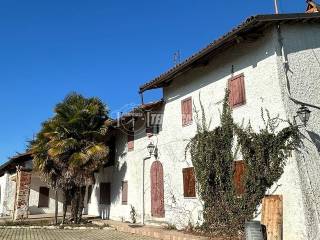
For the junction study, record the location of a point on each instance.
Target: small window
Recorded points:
(43, 197)
(239, 171)
(105, 193)
(131, 141)
(89, 194)
(186, 111)
(154, 129)
(189, 182)
(237, 95)
(124, 193)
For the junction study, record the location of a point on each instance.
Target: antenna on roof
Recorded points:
(176, 58)
(276, 6)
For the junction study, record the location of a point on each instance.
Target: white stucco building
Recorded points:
(277, 58)
(270, 62)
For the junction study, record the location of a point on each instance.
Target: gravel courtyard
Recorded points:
(63, 234)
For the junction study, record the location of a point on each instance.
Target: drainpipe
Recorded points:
(143, 166)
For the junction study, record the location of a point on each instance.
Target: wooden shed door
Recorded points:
(157, 191)
(272, 212)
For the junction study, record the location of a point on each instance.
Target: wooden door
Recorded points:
(272, 212)
(157, 190)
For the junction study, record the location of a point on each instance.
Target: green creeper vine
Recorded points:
(212, 154)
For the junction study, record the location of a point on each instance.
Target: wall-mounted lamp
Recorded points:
(152, 149)
(304, 114)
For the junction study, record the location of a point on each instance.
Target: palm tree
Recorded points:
(71, 146)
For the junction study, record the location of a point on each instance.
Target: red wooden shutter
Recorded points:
(105, 193)
(189, 182)
(186, 111)
(237, 95)
(43, 197)
(239, 171)
(124, 193)
(131, 141)
(183, 110)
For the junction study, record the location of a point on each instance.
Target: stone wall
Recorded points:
(23, 181)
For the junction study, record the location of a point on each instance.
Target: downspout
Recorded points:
(142, 210)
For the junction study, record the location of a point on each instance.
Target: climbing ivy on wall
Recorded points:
(212, 154)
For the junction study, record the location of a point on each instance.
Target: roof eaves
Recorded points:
(14, 159)
(250, 22)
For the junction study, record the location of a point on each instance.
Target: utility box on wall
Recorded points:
(254, 231)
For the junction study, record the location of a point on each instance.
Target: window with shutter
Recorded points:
(237, 95)
(149, 130)
(238, 177)
(89, 194)
(105, 193)
(43, 197)
(189, 182)
(186, 111)
(131, 141)
(153, 129)
(124, 193)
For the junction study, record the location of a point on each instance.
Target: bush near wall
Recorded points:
(213, 154)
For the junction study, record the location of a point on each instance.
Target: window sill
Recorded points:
(238, 105)
(190, 198)
(187, 124)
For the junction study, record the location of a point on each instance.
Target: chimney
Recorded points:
(312, 7)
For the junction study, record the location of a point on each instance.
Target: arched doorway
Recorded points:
(157, 190)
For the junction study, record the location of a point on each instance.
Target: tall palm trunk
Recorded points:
(74, 204)
(81, 203)
(56, 206)
(65, 206)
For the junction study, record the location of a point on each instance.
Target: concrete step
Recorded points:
(157, 223)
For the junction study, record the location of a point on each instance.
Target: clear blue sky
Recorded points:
(103, 48)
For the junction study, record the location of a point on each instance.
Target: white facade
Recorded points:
(262, 65)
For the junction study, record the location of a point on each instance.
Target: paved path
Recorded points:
(64, 234)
